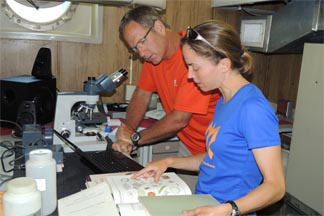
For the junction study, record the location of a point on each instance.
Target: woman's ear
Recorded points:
(225, 64)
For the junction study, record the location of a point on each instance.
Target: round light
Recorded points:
(47, 17)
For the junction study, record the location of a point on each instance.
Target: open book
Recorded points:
(122, 195)
(125, 190)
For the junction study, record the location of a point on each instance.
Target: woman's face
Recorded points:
(204, 72)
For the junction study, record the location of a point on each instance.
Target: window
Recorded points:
(60, 21)
(48, 16)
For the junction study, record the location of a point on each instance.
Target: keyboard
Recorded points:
(109, 161)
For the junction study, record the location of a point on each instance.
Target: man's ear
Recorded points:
(159, 27)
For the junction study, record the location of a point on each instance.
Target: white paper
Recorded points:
(94, 201)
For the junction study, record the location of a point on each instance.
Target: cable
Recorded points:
(11, 122)
(18, 127)
(9, 152)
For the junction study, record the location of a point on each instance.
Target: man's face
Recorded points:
(147, 42)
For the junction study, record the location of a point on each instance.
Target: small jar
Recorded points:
(22, 198)
(41, 166)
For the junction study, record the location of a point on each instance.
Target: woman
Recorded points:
(242, 168)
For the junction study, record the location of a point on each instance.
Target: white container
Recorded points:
(22, 198)
(42, 167)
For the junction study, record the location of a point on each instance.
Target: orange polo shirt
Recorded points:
(170, 80)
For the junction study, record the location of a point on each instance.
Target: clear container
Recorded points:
(41, 166)
(22, 198)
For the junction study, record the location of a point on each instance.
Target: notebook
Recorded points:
(108, 161)
(175, 204)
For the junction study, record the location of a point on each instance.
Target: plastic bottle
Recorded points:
(42, 167)
(22, 198)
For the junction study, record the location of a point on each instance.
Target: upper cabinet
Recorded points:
(221, 3)
(286, 30)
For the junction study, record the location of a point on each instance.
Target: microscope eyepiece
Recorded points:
(116, 76)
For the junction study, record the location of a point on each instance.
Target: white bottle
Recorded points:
(22, 198)
(42, 167)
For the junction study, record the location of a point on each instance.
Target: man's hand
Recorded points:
(124, 133)
(123, 146)
(123, 142)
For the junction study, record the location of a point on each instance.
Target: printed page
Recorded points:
(99, 178)
(127, 190)
(96, 200)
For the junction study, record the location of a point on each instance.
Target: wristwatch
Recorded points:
(235, 210)
(135, 137)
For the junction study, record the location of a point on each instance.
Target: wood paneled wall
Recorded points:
(72, 62)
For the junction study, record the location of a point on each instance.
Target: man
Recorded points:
(188, 110)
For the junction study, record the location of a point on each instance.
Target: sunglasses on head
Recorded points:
(194, 35)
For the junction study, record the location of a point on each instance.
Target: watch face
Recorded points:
(135, 137)
(236, 213)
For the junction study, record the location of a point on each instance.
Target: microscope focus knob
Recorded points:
(65, 133)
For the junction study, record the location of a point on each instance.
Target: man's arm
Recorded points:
(137, 108)
(165, 128)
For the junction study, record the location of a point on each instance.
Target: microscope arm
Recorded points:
(69, 120)
(104, 83)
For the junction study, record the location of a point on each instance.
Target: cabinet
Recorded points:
(305, 166)
(168, 148)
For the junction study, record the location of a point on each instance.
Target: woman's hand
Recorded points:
(154, 169)
(218, 210)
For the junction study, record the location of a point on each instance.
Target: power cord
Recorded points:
(9, 152)
(18, 129)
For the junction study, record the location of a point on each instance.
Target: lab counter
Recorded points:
(71, 180)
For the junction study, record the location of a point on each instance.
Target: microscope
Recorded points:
(77, 117)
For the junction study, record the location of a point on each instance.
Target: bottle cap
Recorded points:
(21, 185)
(40, 154)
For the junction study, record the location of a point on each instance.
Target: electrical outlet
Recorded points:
(129, 90)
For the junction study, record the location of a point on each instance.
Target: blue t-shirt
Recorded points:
(247, 121)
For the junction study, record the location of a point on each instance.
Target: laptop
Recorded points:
(108, 161)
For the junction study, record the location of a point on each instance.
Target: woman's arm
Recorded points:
(273, 186)
(270, 191)
(158, 167)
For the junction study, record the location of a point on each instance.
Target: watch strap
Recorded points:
(235, 210)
